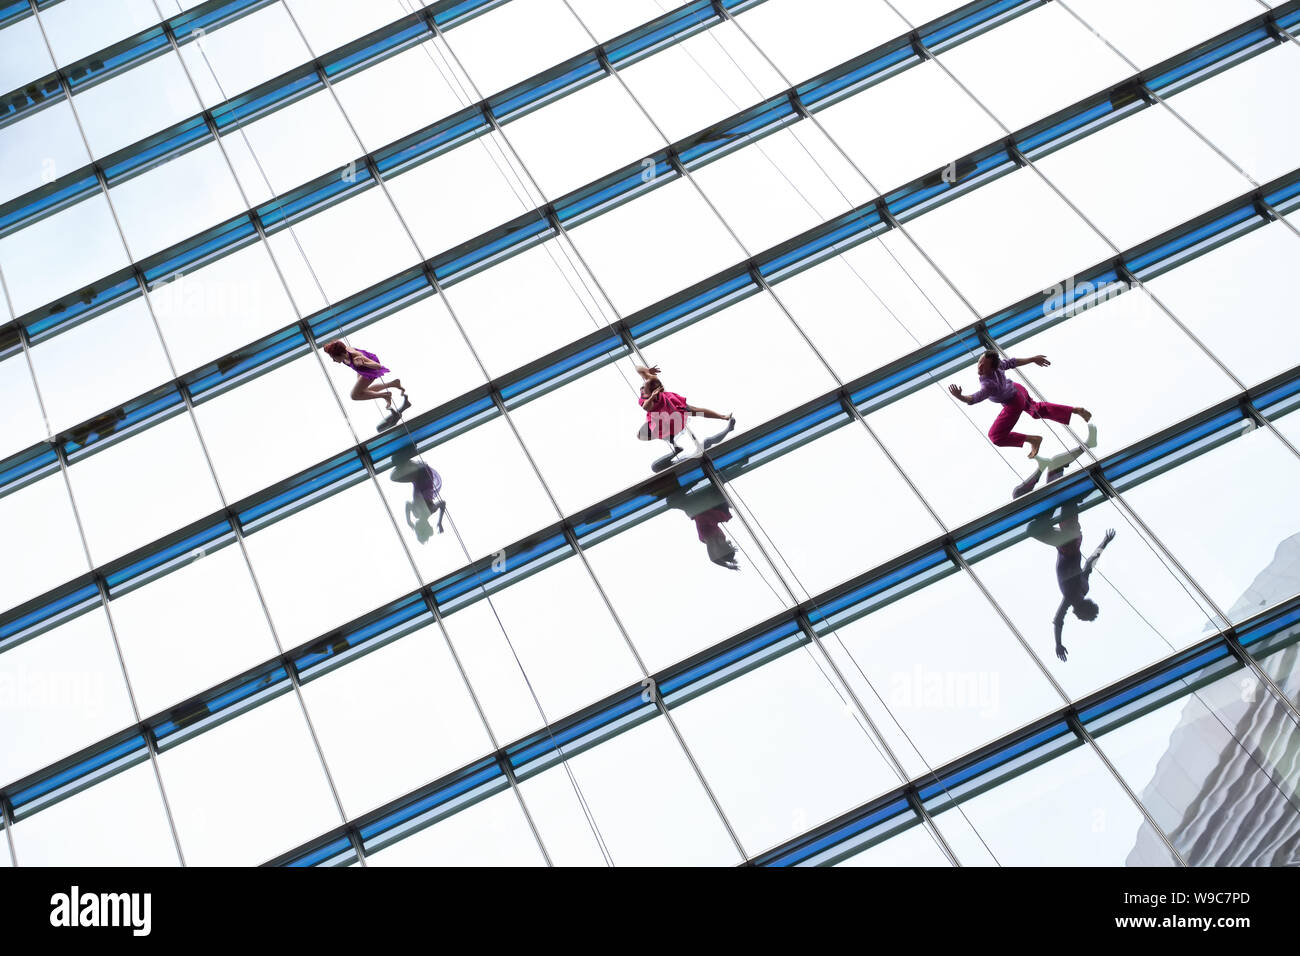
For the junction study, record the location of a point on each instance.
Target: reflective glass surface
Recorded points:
(584, 433)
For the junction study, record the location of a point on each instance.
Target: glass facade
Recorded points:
(253, 619)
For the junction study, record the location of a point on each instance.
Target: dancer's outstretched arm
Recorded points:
(1032, 360)
(1092, 559)
(1058, 624)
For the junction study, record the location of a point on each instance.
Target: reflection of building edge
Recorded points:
(1233, 815)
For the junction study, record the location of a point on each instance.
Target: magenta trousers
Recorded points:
(1001, 433)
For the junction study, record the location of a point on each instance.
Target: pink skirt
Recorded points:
(668, 416)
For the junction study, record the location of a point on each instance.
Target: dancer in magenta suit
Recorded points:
(1014, 399)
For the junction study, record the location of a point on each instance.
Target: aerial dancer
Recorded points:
(1014, 399)
(1072, 574)
(369, 372)
(666, 413)
(425, 492)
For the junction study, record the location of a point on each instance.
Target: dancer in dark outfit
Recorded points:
(1072, 574)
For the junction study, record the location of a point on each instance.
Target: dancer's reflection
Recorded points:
(369, 370)
(1055, 466)
(1072, 573)
(709, 510)
(1014, 399)
(425, 493)
(666, 413)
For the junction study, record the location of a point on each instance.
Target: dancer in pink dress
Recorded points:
(666, 412)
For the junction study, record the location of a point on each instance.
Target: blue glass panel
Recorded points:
(209, 17)
(604, 347)
(832, 238)
(757, 121)
(338, 847)
(257, 357)
(1126, 462)
(483, 572)
(212, 244)
(424, 144)
(398, 618)
(785, 636)
(616, 188)
(132, 747)
(858, 74)
(377, 46)
(717, 295)
(77, 598)
(220, 704)
(995, 760)
(1276, 621)
(170, 143)
(1203, 64)
(862, 594)
(183, 549)
(331, 475)
(372, 304)
(731, 464)
(915, 373)
(970, 20)
(119, 57)
(313, 197)
(36, 94)
(89, 433)
(47, 200)
(517, 100)
(546, 742)
(457, 785)
(521, 233)
(1191, 238)
(661, 32)
(81, 305)
(37, 461)
(805, 849)
(14, 11)
(430, 426)
(264, 99)
(1180, 667)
